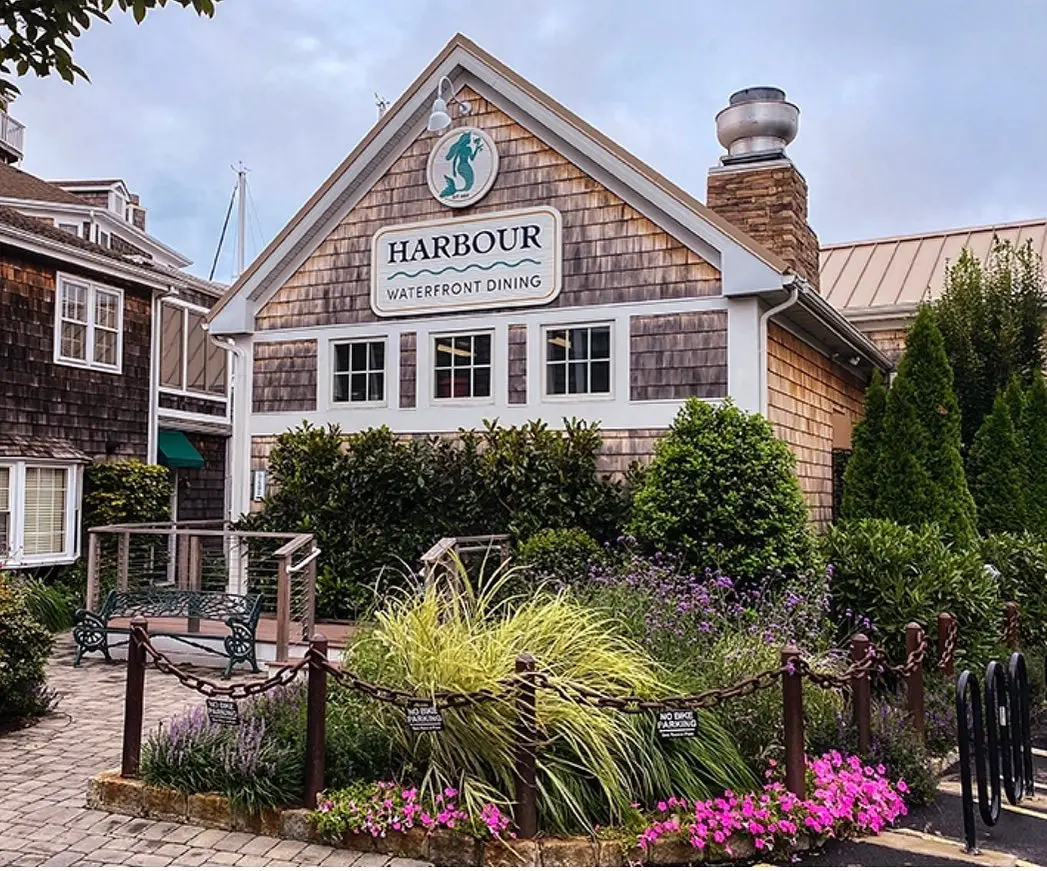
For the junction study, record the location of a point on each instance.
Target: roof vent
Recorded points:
(757, 125)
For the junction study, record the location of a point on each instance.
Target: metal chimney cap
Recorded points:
(757, 125)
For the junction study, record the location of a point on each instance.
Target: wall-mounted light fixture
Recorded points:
(439, 119)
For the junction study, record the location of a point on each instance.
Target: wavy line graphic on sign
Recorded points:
(403, 274)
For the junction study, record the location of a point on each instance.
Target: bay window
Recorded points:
(38, 503)
(88, 324)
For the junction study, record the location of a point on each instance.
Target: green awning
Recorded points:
(177, 452)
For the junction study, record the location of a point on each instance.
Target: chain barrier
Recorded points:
(913, 661)
(390, 695)
(1010, 624)
(856, 670)
(211, 689)
(949, 650)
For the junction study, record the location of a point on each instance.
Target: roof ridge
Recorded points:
(933, 234)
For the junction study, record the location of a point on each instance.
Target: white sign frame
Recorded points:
(550, 269)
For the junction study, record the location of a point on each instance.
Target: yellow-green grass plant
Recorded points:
(593, 763)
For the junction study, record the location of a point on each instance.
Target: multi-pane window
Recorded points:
(89, 323)
(5, 510)
(462, 366)
(578, 360)
(359, 371)
(189, 361)
(44, 519)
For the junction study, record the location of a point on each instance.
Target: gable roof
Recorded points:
(18, 185)
(894, 275)
(466, 63)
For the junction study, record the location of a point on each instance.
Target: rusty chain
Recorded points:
(1011, 624)
(949, 649)
(208, 687)
(390, 695)
(856, 670)
(912, 661)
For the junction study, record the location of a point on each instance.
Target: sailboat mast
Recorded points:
(241, 218)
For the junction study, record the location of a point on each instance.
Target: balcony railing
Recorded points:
(11, 134)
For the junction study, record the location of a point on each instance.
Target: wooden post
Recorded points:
(792, 701)
(283, 610)
(123, 561)
(1011, 624)
(133, 699)
(316, 721)
(914, 683)
(91, 596)
(194, 576)
(526, 749)
(861, 694)
(946, 659)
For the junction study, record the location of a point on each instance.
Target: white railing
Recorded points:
(11, 132)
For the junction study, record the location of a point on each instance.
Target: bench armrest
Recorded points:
(241, 625)
(90, 618)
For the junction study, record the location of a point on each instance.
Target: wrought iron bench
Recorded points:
(240, 613)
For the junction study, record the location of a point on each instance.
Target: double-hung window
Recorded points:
(462, 366)
(358, 373)
(88, 324)
(37, 512)
(578, 361)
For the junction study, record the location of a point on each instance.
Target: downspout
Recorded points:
(792, 282)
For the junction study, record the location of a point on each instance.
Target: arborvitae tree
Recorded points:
(995, 473)
(864, 468)
(1034, 429)
(992, 319)
(923, 477)
(1014, 396)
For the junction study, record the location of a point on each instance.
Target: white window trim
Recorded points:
(544, 360)
(93, 287)
(16, 558)
(432, 336)
(349, 403)
(188, 307)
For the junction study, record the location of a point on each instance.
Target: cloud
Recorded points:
(914, 115)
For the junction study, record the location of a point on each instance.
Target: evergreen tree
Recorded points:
(1014, 396)
(992, 319)
(1034, 429)
(995, 474)
(862, 476)
(923, 476)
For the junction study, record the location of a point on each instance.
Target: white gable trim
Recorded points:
(742, 271)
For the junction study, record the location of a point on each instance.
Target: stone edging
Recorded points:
(110, 792)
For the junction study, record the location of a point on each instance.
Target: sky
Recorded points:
(915, 115)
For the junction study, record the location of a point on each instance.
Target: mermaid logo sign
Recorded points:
(462, 167)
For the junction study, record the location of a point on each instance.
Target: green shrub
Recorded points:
(592, 762)
(1021, 561)
(721, 492)
(375, 500)
(49, 606)
(997, 472)
(558, 557)
(861, 480)
(126, 491)
(893, 574)
(24, 648)
(1034, 427)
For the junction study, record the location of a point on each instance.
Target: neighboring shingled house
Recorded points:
(105, 357)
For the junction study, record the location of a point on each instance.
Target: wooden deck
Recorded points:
(336, 633)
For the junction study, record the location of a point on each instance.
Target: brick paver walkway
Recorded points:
(43, 784)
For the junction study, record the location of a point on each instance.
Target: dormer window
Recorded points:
(118, 204)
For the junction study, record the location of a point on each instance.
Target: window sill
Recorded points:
(92, 367)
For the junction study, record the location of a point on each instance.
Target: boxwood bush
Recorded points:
(893, 574)
(721, 492)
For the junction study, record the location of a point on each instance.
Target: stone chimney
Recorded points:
(756, 186)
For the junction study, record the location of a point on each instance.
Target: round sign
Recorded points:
(462, 167)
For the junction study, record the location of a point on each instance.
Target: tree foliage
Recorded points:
(992, 320)
(38, 36)
(862, 476)
(923, 477)
(1034, 429)
(996, 473)
(721, 492)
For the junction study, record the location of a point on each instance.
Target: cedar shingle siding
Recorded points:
(192, 404)
(679, 355)
(807, 395)
(612, 253)
(284, 376)
(88, 408)
(408, 369)
(517, 364)
(201, 492)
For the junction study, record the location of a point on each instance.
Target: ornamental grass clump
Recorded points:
(592, 762)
